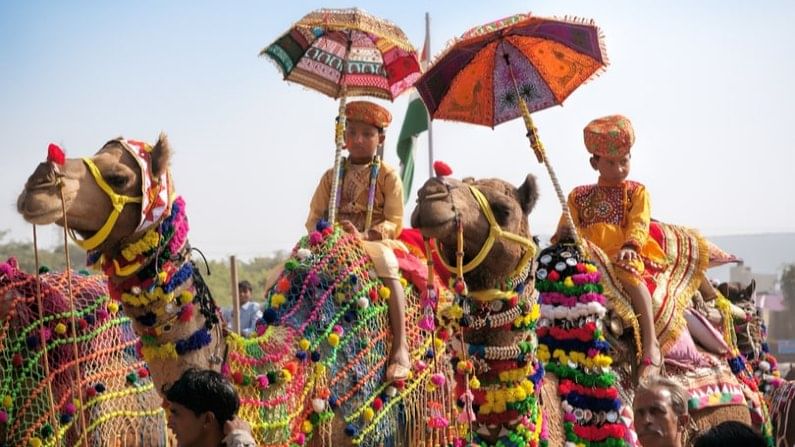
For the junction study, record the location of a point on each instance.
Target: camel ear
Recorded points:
(161, 155)
(528, 193)
(723, 288)
(751, 287)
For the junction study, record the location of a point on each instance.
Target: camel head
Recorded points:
(87, 205)
(444, 201)
(738, 294)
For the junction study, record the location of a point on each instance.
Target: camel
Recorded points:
(444, 204)
(752, 343)
(313, 374)
(121, 405)
(439, 204)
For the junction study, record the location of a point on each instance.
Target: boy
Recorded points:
(364, 134)
(201, 409)
(615, 215)
(249, 313)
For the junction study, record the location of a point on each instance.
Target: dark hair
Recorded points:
(730, 434)
(203, 390)
(244, 285)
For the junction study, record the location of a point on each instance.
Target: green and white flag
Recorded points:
(415, 123)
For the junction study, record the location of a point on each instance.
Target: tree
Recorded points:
(788, 285)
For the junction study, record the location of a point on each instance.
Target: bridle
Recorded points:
(495, 233)
(119, 201)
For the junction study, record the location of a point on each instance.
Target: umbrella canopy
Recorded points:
(346, 52)
(478, 79)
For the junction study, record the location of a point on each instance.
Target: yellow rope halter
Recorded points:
(117, 200)
(495, 232)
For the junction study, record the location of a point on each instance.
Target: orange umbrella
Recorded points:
(510, 68)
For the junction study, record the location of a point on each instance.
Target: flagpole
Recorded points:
(430, 123)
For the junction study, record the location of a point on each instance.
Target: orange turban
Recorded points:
(610, 136)
(368, 113)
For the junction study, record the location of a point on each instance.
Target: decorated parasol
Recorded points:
(511, 68)
(341, 53)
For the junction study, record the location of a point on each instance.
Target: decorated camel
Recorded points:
(443, 203)
(751, 335)
(484, 239)
(68, 373)
(314, 371)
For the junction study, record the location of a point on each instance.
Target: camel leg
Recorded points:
(552, 410)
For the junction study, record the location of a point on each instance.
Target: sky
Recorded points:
(708, 86)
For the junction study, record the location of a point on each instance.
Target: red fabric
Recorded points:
(413, 237)
(656, 233)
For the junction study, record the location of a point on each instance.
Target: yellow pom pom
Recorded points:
(403, 282)
(384, 292)
(277, 300)
(307, 427)
(439, 343)
(568, 282)
(186, 297)
(35, 442)
(320, 369)
(333, 339)
(76, 403)
(521, 394)
(162, 277)
(303, 344)
(286, 375)
(474, 383)
(368, 414)
(340, 297)
(60, 328)
(590, 268)
(113, 307)
(8, 402)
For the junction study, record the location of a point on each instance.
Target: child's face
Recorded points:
(612, 169)
(362, 140)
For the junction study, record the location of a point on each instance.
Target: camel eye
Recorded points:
(501, 213)
(116, 180)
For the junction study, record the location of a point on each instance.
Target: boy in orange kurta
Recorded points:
(364, 133)
(615, 214)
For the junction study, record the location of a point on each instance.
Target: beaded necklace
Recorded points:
(375, 166)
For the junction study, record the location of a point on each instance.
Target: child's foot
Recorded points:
(399, 364)
(651, 363)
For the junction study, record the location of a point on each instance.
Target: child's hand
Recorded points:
(628, 254)
(350, 228)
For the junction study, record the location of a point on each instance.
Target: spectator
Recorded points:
(250, 311)
(730, 434)
(202, 406)
(660, 408)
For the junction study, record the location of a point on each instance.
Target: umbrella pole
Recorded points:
(538, 149)
(339, 138)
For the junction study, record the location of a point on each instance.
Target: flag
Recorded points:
(415, 122)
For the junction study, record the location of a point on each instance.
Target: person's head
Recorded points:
(730, 434)
(660, 408)
(244, 291)
(199, 403)
(609, 140)
(364, 129)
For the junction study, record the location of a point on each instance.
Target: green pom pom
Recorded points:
(43, 269)
(291, 265)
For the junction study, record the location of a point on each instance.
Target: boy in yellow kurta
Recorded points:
(615, 214)
(364, 133)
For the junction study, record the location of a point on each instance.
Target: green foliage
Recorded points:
(255, 270)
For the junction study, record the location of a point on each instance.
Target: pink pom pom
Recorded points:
(315, 238)
(438, 379)
(262, 381)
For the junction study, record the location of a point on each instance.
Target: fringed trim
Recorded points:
(616, 295)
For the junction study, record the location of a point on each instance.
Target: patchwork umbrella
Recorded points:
(511, 68)
(345, 52)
